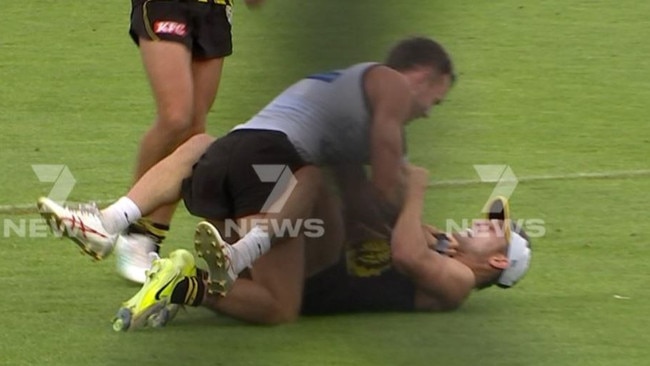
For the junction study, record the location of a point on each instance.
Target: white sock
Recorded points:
(252, 246)
(118, 216)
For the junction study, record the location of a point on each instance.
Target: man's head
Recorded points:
(495, 248)
(427, 68)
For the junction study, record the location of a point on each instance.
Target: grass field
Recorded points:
(556, 90)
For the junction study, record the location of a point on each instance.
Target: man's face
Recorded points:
(484, 239)
(433, 89)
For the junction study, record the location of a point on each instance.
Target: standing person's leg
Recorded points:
(168, 67)
(211, 37)
(212, 43)
(163, 32)
(209, 29)
(206, 76)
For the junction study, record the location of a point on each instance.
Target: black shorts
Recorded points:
(224, 182)
(202, 26)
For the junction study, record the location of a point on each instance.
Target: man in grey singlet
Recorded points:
(352, 117)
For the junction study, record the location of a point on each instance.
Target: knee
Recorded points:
(281, 310)
(281, 315)
(175, 122)
(197, 125)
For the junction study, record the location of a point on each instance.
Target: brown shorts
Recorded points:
(202, 26)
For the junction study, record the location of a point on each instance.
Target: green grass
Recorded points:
(553, 88)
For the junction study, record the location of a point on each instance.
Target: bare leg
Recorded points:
(162, 183)
(168, 67)
(247, 301)
(159, 186)
(206, 75)
(273, 295)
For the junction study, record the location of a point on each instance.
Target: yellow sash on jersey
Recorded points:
(220, 2)
(369, 258)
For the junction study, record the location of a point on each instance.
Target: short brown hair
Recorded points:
(420, 51)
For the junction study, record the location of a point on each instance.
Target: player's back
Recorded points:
(325, 116)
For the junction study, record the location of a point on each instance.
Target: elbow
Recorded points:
(402, 260)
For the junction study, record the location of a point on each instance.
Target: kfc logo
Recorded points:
(167, 27)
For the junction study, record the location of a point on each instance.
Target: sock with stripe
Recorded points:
(155, 231)
(190, 290)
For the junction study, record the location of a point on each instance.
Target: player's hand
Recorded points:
(417, 177)
(452, 249)
(431, 234)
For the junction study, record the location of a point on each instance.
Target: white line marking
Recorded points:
(31, 207)
(536, 178)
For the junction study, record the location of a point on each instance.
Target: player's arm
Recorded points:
(440, 278)
(391, 104)
(363, 203)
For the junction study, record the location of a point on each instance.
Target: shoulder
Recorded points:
(387, 92)
(380, 77)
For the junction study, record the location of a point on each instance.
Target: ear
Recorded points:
(423, 74)
(499, 261)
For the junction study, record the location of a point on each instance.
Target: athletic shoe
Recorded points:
(132, 254)
(151, 306)
(83, 225)
(215, 251)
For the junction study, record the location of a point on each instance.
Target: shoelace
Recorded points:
(87, 207)
(154, 260)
